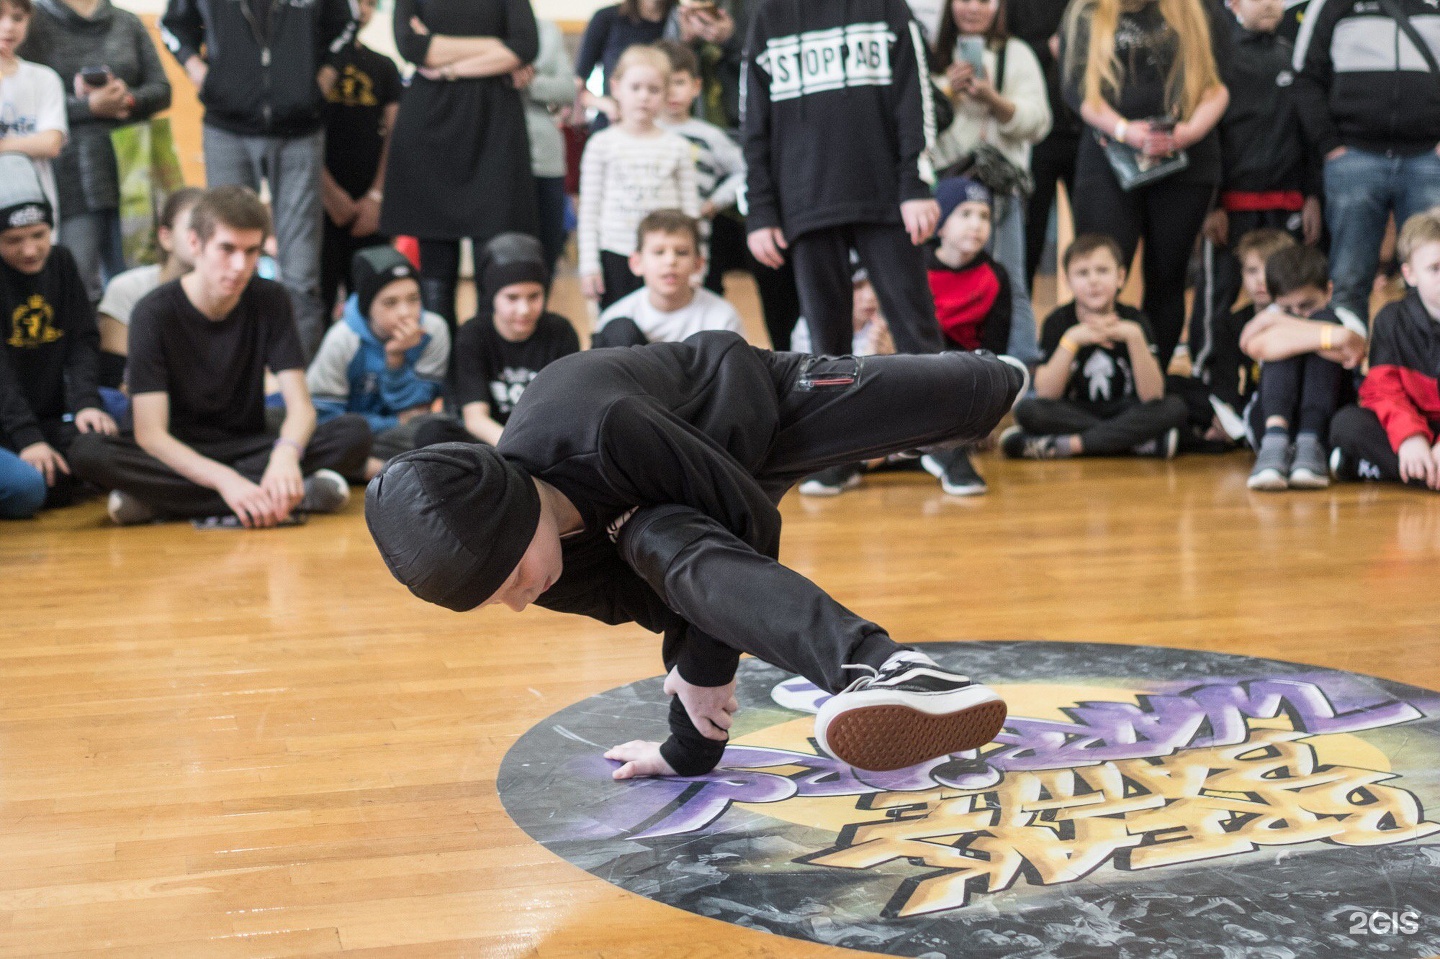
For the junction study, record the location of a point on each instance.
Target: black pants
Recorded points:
(1167, 215)
(118, 462)
(1358, 433)
(897, 271)
(442, 429)
(779, 299)
(1304, 389)
(337, 250)
(61, 436)
(1219, 284)
(620, 280)
(1051, 162)
(716, 582)
(1105, 429)
(550, 200)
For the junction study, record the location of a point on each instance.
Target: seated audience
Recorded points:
(1100, 391)
(1391, 436)
(385, 359)
(50, 355)
(1305, 347)
(505, 345)
(972, 302)
(199, 348)
(667, 308)
(130, 287)
(872, 333)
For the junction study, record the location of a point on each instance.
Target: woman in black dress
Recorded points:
(460, 157)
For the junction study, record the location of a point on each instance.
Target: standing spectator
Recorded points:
(49, 350)
(32, 99)
(1149, 77)
(461, 164)
(715, 32)
(1369, 95)
(610, 32)
(1271, 180)
(113, 76)
(837, 121)
(265, 116)
(630, 170)
(1052, 160)
(1002, 105)
(548, 84)
(359, 117)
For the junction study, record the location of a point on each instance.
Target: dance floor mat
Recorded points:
(1141, 802)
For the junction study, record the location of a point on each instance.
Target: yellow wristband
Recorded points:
(1069, 344)
(1327, 337)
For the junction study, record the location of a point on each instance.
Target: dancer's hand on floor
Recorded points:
(711, 708)
(641, 758)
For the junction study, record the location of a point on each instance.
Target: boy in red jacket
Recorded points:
(1392, 434)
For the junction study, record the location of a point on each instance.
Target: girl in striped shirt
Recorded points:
(630, 169)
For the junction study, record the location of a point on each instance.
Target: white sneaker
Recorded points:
(325, 492)
(905, 713)
(126, 510)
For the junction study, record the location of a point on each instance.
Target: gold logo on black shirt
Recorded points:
(33, 324)
(354, 88)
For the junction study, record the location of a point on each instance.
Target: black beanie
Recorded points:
(511, 258)
(22, 198)
(375, 268)
(452, 521)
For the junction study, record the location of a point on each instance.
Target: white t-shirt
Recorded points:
(705, 312)
(31, 101)
(123, 292)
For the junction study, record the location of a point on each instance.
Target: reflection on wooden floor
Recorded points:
(223, 744)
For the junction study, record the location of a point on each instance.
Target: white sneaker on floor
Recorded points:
(1024, 371)
(126, 510)
(905, 713)
(325, 492)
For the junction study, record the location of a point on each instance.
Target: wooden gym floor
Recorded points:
(231, 744)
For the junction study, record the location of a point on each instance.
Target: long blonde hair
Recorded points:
(1192, 75)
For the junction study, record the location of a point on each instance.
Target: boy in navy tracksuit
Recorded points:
(1271, 176)
(385, 359)
(837, 119)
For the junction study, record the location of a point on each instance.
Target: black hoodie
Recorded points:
(836, 117)
(1262, 145)
(263, 58)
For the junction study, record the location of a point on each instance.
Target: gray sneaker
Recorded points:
(325, 492)
(1272, 465)
(126, 510)
(1309, 470)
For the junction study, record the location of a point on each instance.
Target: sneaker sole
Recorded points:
(1270, 481)
(814, 489)
(884, 731)
(1304, 479)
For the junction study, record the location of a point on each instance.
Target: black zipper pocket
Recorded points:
(830, 373)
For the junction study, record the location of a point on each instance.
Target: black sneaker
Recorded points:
(1342, 468)
(1016, 444)
(831, 482)
(1162, 447)
(955, 472)
(905, 713)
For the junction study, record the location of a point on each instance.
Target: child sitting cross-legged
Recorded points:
(1100, 391)
(1305, 348)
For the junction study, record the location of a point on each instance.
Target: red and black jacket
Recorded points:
(1401, 386)
(972, 303)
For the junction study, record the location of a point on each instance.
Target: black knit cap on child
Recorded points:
(22, 199)
(452, 521)
(375, 268)
(511, 258)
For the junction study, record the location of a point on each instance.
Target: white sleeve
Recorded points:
(689, 185)
(327, 376)
(50, 106)
(436, 357)
(730, 162)
(119, 299)
(592, 190)
(1025, 87)
(724, 317)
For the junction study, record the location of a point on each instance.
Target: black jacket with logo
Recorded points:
(836, 113)
(1362, 83)
(263, 57)
(50, 358)
(1262, 144)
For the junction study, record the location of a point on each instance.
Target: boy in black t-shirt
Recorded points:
(50, 354)
(199, 348)
(511, 339)
(1100, 391)
(359, 115)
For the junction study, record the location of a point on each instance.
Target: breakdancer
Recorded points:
(640, 484)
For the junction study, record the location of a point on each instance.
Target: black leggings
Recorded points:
(1357, 431)
(1308, 383)
(1167, 215)
(1105, 429)
(1051, 162)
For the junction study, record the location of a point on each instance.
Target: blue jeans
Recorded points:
(1361, 189)
(1007, 246)
(22, 488)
